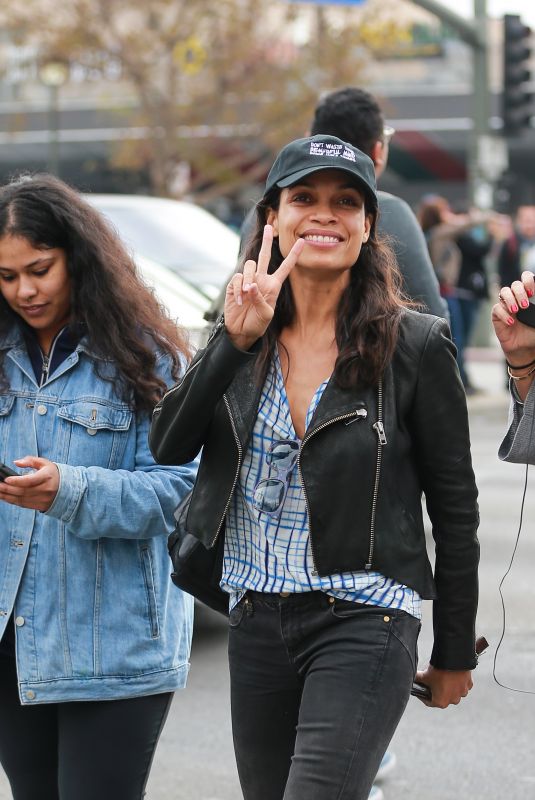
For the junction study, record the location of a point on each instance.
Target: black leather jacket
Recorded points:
(365, 460)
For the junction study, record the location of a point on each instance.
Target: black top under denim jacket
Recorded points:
(427, 449)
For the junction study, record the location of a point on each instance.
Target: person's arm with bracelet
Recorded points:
(518, 344)
(516, 339)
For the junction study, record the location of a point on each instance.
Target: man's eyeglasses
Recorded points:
(388, 132)
(269, 494)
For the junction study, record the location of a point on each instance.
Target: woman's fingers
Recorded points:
(249, 274)
(290, 261)
(514, 297)
(234, 289)
(528, 279)
(265, 250)
(500, 313)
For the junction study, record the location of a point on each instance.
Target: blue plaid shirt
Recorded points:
(272, 553)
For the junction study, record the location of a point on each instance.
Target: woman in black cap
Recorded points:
(324, 408)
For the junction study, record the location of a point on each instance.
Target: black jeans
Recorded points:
(318, 687)
(77, 751)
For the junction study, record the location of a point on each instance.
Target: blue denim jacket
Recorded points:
(96, 614)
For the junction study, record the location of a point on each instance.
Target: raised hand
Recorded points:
(251, 296)
(517, 340)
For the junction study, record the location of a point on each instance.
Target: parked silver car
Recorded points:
(176, 234)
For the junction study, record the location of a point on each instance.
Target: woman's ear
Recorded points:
(273, 220)
(367, 227)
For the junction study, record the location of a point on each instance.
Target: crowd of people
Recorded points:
(330, 398)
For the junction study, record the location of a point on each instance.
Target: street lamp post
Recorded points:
(53, 74)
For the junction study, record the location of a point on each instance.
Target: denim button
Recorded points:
(30, 695)
(331, 599)
(41, 410)
(386, 619)
(19, 621)
(92, 431)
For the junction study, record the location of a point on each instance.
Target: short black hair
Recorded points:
(353, 115)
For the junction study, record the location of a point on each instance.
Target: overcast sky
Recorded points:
(496, 8)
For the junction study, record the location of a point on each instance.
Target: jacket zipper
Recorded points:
(47, 360)
(44, 370)
(359, 413)
(170, 391)
(381, 441)
(236, 476)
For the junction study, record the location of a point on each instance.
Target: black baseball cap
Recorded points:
(302, 157)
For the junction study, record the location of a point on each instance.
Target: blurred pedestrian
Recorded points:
(93, 638)
(451, 241)
(475, 245)
(324, 407)
(517, 252)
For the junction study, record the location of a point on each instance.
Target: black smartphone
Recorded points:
(6, 472)
(419, 690)
(527, 315)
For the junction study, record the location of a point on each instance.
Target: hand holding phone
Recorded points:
(6, 472)
(527, 315)
(423, 692)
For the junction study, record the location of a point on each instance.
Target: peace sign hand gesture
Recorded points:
(251, 296)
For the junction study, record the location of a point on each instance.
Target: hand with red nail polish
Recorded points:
(517, 339)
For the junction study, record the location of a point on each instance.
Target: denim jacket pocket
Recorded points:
(97, 432)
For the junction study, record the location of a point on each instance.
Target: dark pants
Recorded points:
(77, 751)
(318, 687)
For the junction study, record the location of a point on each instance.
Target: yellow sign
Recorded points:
(190, 55)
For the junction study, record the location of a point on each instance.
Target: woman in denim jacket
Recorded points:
(93, 637)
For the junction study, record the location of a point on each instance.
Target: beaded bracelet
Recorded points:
(520, 366)
(520, 377)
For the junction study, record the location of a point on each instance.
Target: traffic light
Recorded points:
(516, 99)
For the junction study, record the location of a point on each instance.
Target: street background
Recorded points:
(483, 749)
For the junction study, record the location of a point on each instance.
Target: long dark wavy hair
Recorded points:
(122, 319)
(368, 314)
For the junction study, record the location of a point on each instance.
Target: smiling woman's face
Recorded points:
(36, 285)
(326, 210)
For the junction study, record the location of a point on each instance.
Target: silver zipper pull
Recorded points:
(380, 431)
(360, 414)
(44, 370)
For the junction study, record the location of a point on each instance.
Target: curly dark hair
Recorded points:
(122, 319)
(369, 311)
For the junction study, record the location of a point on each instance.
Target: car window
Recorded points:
(179, 235)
